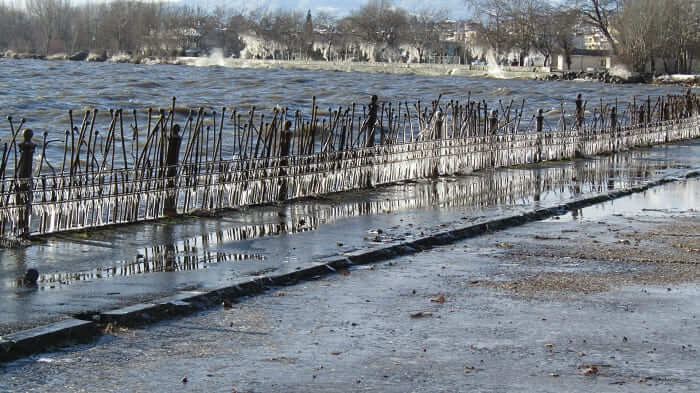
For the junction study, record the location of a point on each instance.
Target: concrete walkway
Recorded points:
(600, 299)
(97, 271)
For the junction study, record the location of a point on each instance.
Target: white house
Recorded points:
(585, 60)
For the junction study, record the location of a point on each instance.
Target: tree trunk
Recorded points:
(49, 37)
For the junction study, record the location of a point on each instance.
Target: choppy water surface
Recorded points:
(43, 91)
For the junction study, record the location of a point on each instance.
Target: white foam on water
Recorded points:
(215, 58)
(120, 57)
(620, 70)
(494, 69)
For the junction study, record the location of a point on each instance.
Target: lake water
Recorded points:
(43, 91)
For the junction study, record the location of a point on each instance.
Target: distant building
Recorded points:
(590, 38)
(596, 41)
(448, 30)
(585, 60)
(189, 38)
(470, 37)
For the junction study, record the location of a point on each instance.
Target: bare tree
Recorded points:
(492, 16)
(601, 15)
(282, 30)
(653, 29)
(218, 29)
(329, 33)
(678, 32)
(378, 22)
(639, 32)
(81, 28)
(657, 33)
(424, 31)
(347, 38)
(564, 22)
(14, 28)
(545, 36)
(522, 17)
(52, 20)
(235, 24)
(288, 29)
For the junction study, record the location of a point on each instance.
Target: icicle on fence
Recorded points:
(137, 166)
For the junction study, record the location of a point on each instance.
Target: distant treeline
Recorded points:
(652, 35)
(147, 28)
(648, 35)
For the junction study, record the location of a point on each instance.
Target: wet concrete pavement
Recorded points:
(103, 270)
(601, 299)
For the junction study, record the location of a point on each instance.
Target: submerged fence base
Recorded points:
(95, 193)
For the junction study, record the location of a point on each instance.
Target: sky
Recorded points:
(455, 8)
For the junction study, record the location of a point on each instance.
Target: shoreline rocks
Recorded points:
(20, 56)
(97, 57)
(79, 56)
(599, 76)
(608, 77)
(677, 79)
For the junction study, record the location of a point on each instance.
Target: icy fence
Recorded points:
(482, 189)
(174, 167)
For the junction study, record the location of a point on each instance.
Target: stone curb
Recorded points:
(44, 338)
(31, 341)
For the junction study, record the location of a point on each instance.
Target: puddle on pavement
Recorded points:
(189, 255)
(680, 198)
(153, 264)
(545, 185)
(525, 187)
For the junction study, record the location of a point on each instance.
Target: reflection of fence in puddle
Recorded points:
(189, 255)
(501, 187)
(507, 187)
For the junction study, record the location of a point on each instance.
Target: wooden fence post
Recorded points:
(613, 129)
(439, 120)
(371, 120)
(493, 122)
(493, 129)
(172, 160)
(540, 125)
(579, 111)
(24, 183)
(285, 144)
(580, 117)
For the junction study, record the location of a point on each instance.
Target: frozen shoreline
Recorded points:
(421, 69)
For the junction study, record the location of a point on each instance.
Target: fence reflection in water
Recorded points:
(507, 187)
